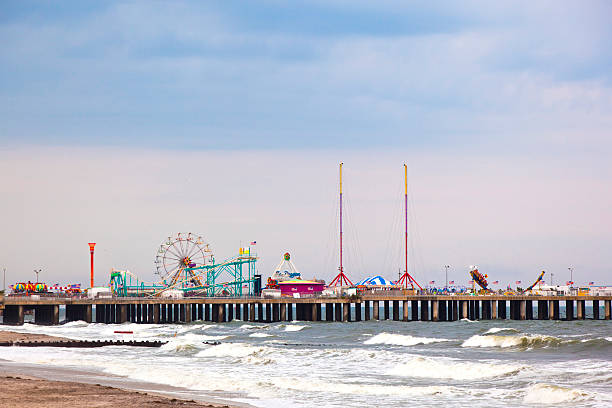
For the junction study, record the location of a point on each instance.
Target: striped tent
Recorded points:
(374, 280)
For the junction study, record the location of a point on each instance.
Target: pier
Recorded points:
(369, 307)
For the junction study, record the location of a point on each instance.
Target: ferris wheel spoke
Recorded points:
(171, 262)
(193, 251)
(171, 271)
(182, 245)
(169, 258)
(173, 252)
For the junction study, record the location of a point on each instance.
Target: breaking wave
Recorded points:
(294, 328)
(524, 340)
(494, 330)
(423, 367)
(401, 339)
(240, 351)
(552, 394)
(259, 334)
(359, 389)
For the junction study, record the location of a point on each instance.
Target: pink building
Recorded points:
(288, 288)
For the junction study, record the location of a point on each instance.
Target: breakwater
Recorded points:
(81, 343)
(369, 307)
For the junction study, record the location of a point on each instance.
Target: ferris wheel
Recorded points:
(180, 252)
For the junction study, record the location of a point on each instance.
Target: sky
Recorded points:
(126, 122)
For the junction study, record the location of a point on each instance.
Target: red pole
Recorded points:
(406, 236)
(341, 269)
(91, 252)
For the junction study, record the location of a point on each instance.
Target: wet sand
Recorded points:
(35, 392)
(15, 336)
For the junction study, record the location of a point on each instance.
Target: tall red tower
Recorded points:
(341, 278)
(91, 252)
(406, 277)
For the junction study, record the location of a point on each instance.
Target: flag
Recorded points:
(432, 282)
(451, 282)
(518, 282)
(253, 242)
(591, 283)
(471, 281)
(496, 283)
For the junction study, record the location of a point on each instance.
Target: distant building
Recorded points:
(550, 290)
(600, 290)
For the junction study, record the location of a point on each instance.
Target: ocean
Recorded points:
(375, 363)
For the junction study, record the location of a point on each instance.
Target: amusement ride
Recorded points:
(186, 266)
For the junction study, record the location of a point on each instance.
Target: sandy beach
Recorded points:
(35, 392)
(28, 390)
(15, 336)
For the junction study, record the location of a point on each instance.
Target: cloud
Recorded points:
(221, 76)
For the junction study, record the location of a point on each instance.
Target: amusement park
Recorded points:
(185, 266)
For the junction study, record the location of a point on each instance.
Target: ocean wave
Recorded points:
(240, 351)
(178, 346)
(534, 341)
(318, 386)
(401, 339)
(552, 394)
(294, 328)
(493, 330)
(523, 340)
(254, 326)
(423, 367)
(465, 319)
(259, 334)
(76, 323)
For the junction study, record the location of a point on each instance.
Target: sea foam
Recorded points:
(294, 328)
(552, 394)
(525, 340)
(334, 387)
(401, 339)
(451, 369)
(259, 334)
(494, 330)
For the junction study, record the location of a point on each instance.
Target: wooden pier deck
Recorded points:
(368, 307)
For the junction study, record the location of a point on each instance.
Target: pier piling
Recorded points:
(414, 308)
(424, 310)
(434, 311)
(569, 310)
(346, 312)
(396, 310)
(580, 309)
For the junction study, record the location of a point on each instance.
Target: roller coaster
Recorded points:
(187, 267)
